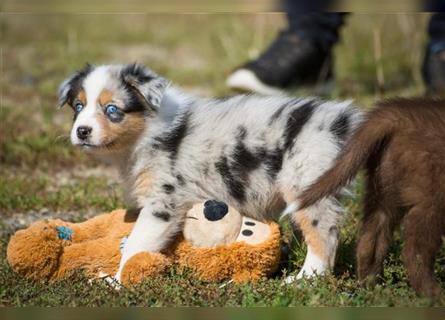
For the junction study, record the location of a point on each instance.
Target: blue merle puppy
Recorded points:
(174, 149)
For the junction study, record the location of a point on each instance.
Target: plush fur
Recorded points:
(256, 153)
(94, 247)
(237, 261)
(402, 147)
(38, 253)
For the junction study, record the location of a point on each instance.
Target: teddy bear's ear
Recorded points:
(145, 83)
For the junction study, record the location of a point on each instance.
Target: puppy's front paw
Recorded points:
(113, 282)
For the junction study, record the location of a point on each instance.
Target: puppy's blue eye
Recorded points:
(78, 107)
(111, 109)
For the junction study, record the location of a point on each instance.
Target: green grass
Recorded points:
(177, 289)
(33, 193)
(43, 176)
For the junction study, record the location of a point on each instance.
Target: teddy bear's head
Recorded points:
(215, 223)
(34, 252)
(211, 223)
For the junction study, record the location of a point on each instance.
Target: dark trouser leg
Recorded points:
(436, 27)
(433, 69)
(321, 28)
(434, 5)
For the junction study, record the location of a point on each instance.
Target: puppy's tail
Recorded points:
(367, 141)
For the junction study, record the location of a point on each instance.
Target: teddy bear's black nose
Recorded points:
(215, 210)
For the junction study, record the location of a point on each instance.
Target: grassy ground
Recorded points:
(43, 176)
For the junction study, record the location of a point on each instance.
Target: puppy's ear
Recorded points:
(149, 86)
(71, 86)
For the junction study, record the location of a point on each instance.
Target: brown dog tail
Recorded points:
(368, 140)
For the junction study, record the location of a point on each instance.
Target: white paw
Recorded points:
(113, 282)
(309, 272)
(290, 280)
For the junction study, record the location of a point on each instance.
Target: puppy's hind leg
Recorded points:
(319, 227)
(423, 228)
(375, 235)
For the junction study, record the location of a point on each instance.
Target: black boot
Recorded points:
(290, 60)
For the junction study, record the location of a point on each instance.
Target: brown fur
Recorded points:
(105, 97)
(38, 253)
(142, 185)
(118, 136)
(401, 144)
(82, 97)
(238, 260)
(144, 265)
(311, 234)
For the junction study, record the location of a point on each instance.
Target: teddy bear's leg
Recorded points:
(319, 227)
(246, 276)
(156, 225)
(143, 265)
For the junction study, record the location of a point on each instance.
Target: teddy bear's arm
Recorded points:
(93, 257)
(100, 226)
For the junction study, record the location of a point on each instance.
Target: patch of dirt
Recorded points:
(16, 221)
(65, 177)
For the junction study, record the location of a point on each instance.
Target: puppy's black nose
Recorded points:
(215, 210)
(83, 132)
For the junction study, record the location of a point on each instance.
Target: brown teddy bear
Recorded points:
(217, 244)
